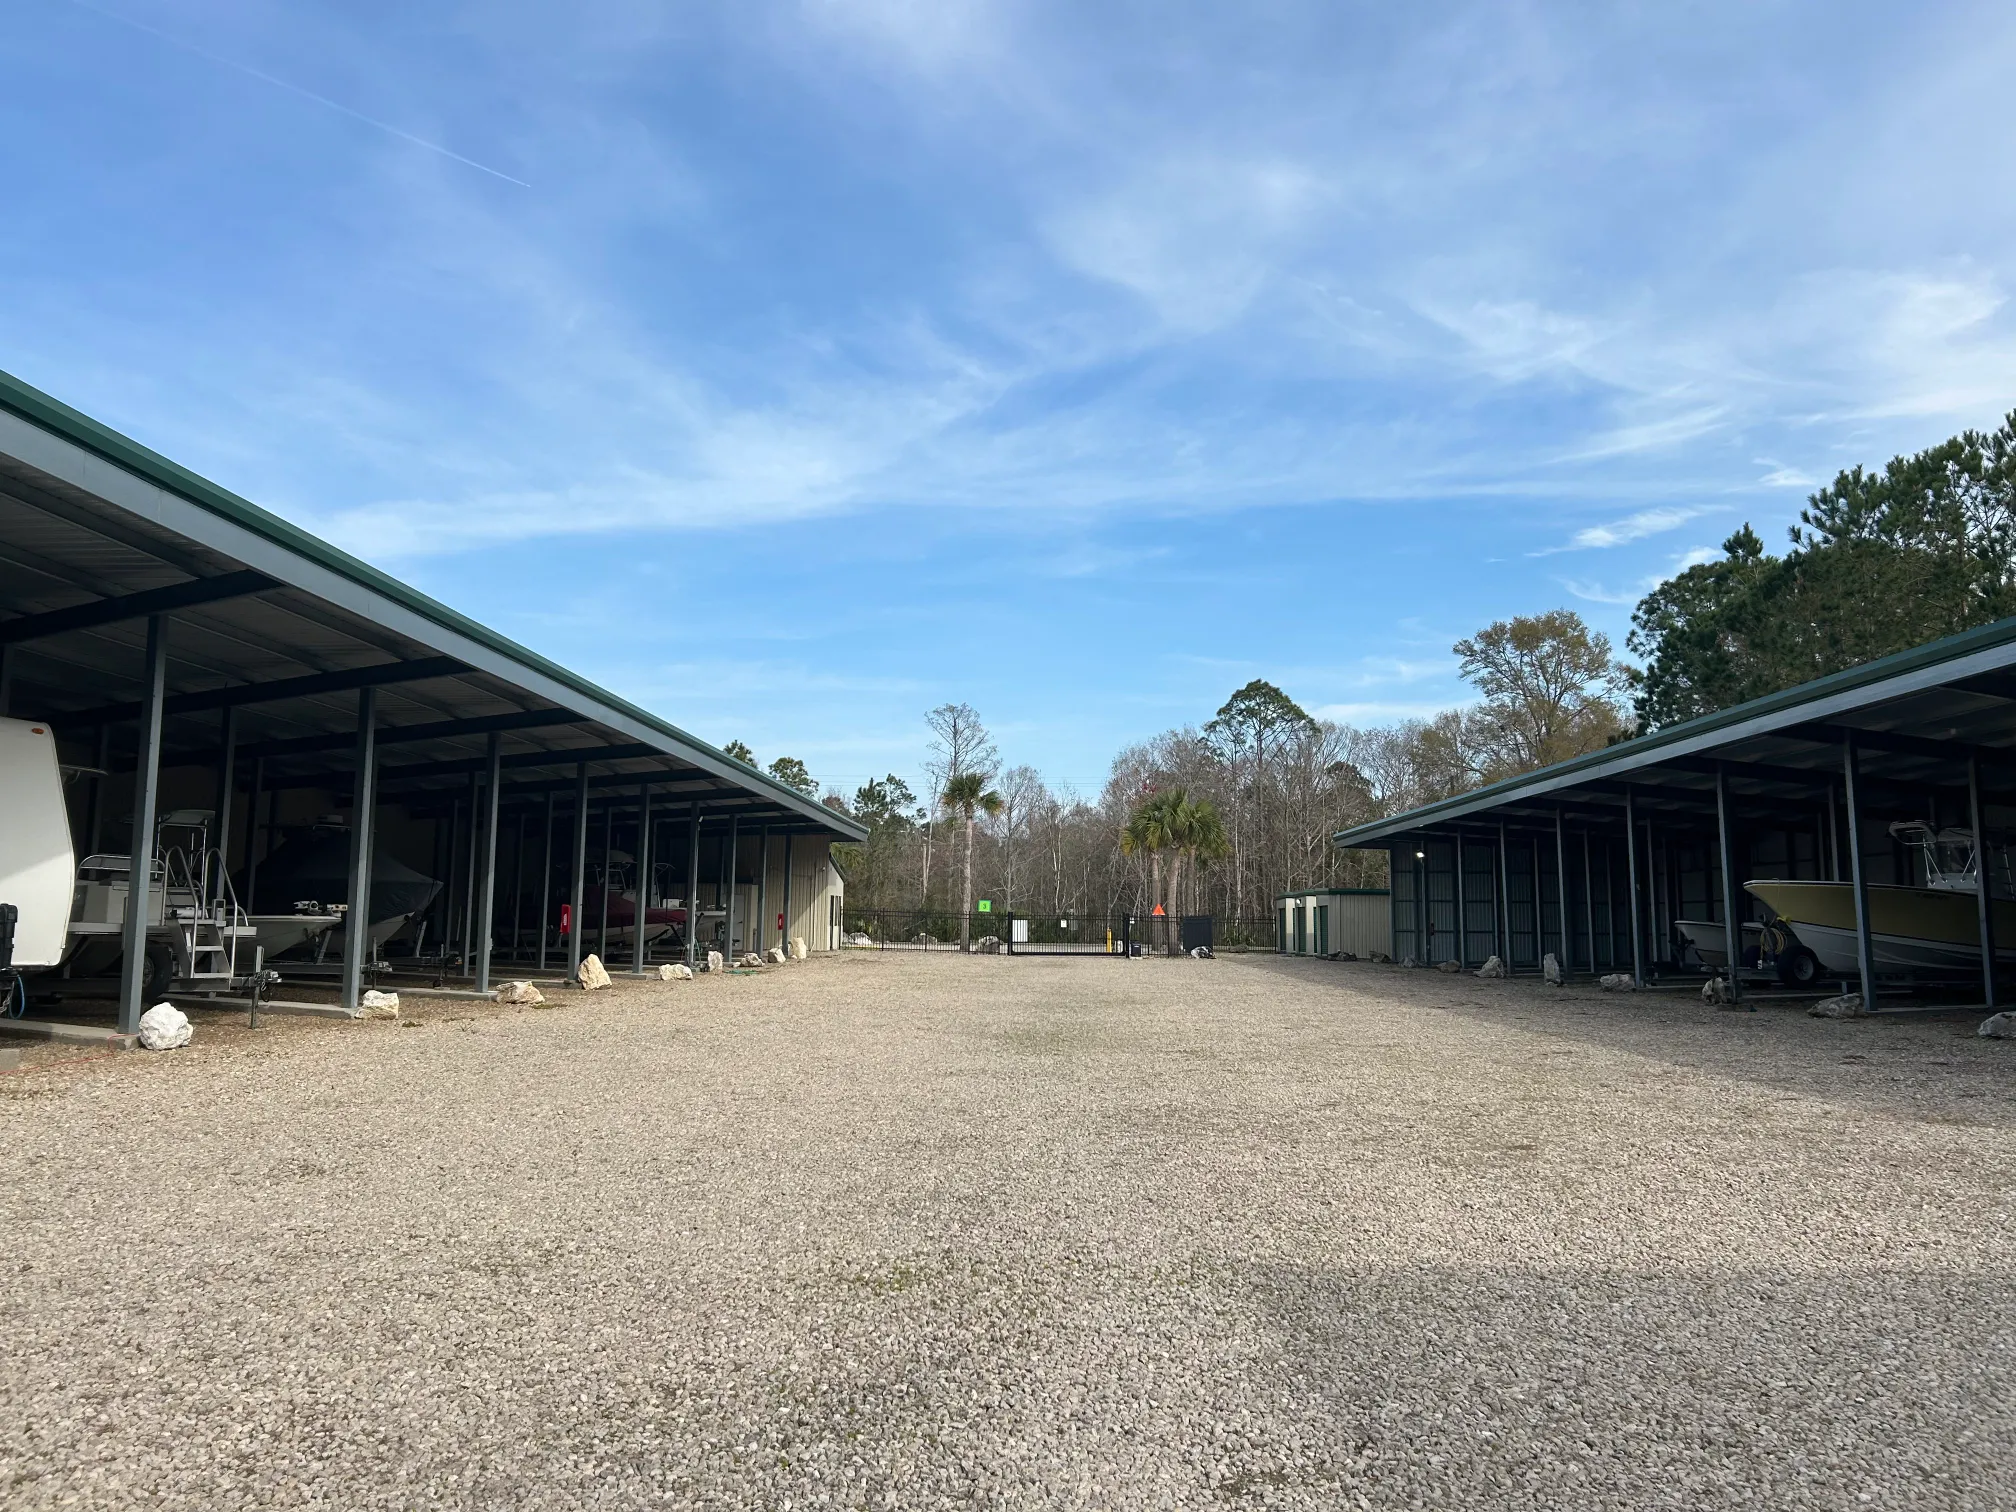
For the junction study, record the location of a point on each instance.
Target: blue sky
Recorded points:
(795, 368)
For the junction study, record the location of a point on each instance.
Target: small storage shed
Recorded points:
(1319, 921)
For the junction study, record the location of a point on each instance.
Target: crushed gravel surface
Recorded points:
(891, 1230)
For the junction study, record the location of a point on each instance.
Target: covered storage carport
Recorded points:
(203, 663)
(1886, 794)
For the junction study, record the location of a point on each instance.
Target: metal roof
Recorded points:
(1917, 717)
(97, 532)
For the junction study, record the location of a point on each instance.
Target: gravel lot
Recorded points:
(917, 1230)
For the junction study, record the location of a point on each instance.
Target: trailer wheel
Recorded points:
(160, 973)
(1798, 967)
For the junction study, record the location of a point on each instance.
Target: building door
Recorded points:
(1322, 929)
(1301, 930)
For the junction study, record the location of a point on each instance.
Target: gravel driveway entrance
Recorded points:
(918, 1231)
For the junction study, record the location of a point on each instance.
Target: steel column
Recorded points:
(486, 917)
(608, 847)
(1561, 881)
(1631, 865)
(1984, 881)
(577, 921)
(363, 837)
(518, 890)
(1865, 947)
(1589, 898)
(1539, 913)
(1462, 909)
(1504, 909)
(643, 906)
(1732, 927)
(469, 880)
(146, 792)
(546, 883)
(763, 890)
(227, 764)
(788, 837)
(253, 832)
(729, 858)
(692, 888)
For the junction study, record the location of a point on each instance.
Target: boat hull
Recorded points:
(1911, 928)
(1711, 942)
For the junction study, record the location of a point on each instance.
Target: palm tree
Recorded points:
(1199, 835)
(1148, 830)
(966, 796)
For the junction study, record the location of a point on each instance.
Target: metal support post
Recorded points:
(1589, 898)
(1462, 908)
(469, 878)
(1503, 911)
(486, 912)
(1833, 835)
(363, 816)
(1561, 882)
(1865, 945)
(577, 921)
(1539, 912)
(1984, 882)
(728, 860)
(146, 791)
(640, 913)
(6, 682)
(227, 771)
(763, 890)
(546, 883)
(1631, 865)
(788, 837)
(608, 849)
(693, 885)
(1732, 926)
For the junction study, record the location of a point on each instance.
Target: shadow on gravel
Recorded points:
(1491, 1388)
(1927, 1067)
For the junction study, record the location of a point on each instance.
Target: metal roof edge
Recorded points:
(1935, 661)
(51, 414)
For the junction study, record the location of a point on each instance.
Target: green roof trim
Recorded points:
(1785, 703)
(51, 414)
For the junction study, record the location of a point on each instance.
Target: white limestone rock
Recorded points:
(1716, 993)
(520, 992)
(1550, 969)
(1846, 1006)
(715, 961)
(1998, 1026)
(749, 960)
(1492, 969)
(1617, 981)
(378, 1005)
(1451, 967)
(775, 955)
(594, 974)
(797, 948)
(164, 1027)
(675, 971)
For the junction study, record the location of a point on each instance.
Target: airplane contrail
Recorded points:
(291, 88)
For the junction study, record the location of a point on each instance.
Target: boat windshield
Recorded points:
(1947, 855)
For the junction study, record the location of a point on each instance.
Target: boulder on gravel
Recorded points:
(1717, 993)
(1380, 958)
(594, 974)
(858, 939)
(749, 960)
(988, 945)
(715, 961)
(1998, 1026)
(1452, 967)
(1492, 968)
(520, 992)
(1846, 1006)
(1550, 969)
(1202, 953)
(1617, 981)
(775, 955)
(796, 949)
(677, 971)
(924, 939)
(378, 1005)
(164, 1027)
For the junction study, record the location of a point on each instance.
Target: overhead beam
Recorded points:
(1954, 751)
(132, 606)
(440, 729)
(348, 680)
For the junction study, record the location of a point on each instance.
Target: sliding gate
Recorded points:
(1070, 934)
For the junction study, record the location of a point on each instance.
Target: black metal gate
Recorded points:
(1070, 934)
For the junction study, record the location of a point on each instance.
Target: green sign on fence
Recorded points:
(984, 906)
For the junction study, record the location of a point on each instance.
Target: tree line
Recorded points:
(1225, 817)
